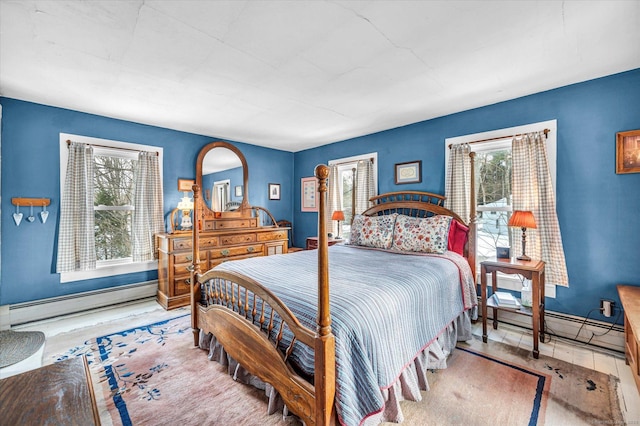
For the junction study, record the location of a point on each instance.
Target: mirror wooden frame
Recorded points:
(244, 209)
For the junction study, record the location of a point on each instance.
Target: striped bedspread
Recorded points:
(386, 307)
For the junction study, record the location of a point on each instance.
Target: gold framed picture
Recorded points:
(184, 185)
(628, 152)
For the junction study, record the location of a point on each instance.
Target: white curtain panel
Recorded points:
(76, 239)
(458, 186)
(334, 199)
(365, 188)
(147, 216)
(532, 190)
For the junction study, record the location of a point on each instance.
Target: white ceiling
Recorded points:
(297, 74)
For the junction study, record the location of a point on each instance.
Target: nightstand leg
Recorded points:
(494, 288)
(536, 313)
(483, 300)
(542, 306)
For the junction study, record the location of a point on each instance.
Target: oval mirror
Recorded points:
(222, 174)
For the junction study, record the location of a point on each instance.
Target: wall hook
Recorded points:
(17, 216)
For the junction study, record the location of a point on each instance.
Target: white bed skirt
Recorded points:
(408, 386)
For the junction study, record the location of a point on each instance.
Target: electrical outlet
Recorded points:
(606, 307)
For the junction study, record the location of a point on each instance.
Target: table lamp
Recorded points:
(186, 205)
(523, 219)
(339, 216)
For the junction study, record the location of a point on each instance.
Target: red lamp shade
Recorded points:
(337, 215)
(522, 219)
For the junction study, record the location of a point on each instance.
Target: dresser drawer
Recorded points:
(181, 286)
(208, 242)
(183, 258)
(271, 236)
(235, 223)
(230, 240)
(182, 244)
(183, 268)
(235, 251)
(217, 261)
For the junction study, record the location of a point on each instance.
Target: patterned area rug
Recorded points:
(154, 375)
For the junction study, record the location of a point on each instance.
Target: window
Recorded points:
(493, 198)
(346, 175)
(113, 204)
(114, 189)
(493, 189)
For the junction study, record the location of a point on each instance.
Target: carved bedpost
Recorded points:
(195, 267)
(473, 218)
(325, 359)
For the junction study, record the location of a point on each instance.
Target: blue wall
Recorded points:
(598, 210)
(31, 168)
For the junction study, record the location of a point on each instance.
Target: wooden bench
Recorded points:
(57, 394)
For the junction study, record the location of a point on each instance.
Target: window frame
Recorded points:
(104, 268)
(510, 282)
(347, 163)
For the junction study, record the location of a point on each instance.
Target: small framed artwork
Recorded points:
(503, 252)
(628, 152)
(184, 185)
(410, 172)
(237, 191)
(309, 195)
(274, 191)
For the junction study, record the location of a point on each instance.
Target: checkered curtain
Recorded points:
(76, 238)
(458, 186)
(147, 216)
(532, 190)
(365, 188)
(334, 199)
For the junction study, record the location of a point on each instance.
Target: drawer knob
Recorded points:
(188, 281)
(190, 268)
(225, 252)
(189, 258)
(251, 249)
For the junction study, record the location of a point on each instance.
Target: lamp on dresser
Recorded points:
(523, 219)
(339, 216)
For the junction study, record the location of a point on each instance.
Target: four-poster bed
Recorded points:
(341, 360)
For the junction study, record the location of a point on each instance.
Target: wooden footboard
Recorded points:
(259, 331)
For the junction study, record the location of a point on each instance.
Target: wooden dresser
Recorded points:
(224, 240)
(630, 298)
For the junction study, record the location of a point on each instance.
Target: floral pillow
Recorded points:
(426, 235)
(373, 231)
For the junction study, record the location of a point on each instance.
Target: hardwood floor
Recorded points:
(147, 311)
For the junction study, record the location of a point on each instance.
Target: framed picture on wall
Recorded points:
(237, 191)
(628, 152)
(309, 195)
(410, 172)
(185, 185)
(274, 191)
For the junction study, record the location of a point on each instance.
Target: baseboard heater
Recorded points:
(570, 327)
(21, 313)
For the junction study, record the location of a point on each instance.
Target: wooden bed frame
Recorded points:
(241, 311)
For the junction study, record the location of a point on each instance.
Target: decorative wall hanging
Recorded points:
(628, 152)
(410, 172)
(30, 202)
(309, 195)
(274, 191)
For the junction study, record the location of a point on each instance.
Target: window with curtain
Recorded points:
(504, 183)
(111, 207)
(356, 180)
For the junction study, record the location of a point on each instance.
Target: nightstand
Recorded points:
(532, 270)
(312, 242)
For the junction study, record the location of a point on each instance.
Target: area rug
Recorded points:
(16, 346)
(153, 375)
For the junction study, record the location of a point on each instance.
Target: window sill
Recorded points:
(108, 271)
